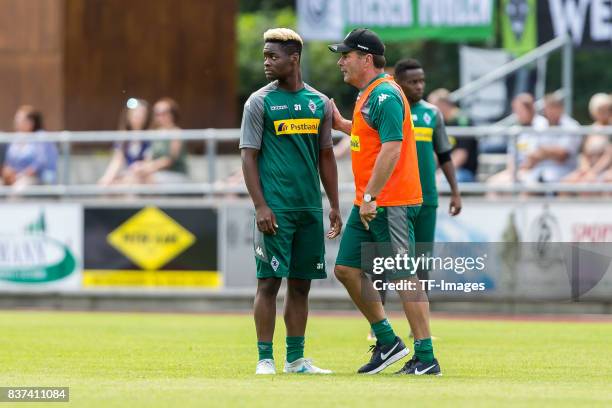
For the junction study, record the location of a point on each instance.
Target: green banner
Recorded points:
(456, 20)
(518, 22)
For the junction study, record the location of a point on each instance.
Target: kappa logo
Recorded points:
(320, 265)
(415, 116)
(259, 251)
(278, 107)
(382, 98)
(274, 263)
(312, 106)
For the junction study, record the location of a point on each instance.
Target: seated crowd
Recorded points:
(26, 162)
(551, 157)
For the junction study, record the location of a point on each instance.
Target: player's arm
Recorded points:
(388, 118)
(343, 125)
(443, 148)
(251, 133)
(329, 173)
(339, 122)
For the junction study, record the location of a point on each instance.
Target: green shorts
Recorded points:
(393, 225)
(296, 251)
(424, 233)
(425, 224)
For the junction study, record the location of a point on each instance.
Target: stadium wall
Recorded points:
(194, 255)
(31, 59)
(80, 60)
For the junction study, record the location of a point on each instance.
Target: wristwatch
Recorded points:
(368, 198)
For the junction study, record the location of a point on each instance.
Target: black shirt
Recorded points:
(468, 143)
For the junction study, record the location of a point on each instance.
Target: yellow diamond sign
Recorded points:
(150, 238)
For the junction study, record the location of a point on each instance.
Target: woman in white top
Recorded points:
(596, 156)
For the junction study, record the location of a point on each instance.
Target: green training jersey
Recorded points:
(430, 136)
(288, 129)
(384, 110)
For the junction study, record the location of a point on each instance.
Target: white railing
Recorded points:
(211, 138)
(539, 56)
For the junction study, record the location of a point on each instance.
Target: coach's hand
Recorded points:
(266, 220)
(335, 222)
(367, 212)
(454, 208)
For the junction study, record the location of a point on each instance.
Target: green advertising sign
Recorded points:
(518, 22)
(33, 256)
(448, 20)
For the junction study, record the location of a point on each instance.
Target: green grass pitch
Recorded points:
(163, 360)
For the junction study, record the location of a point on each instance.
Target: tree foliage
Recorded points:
(440, 60)
(250, 6)
(319, 64)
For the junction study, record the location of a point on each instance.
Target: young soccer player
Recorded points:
(286, 148)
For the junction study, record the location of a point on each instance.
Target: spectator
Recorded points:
(465, 149)
(167, 159)
(596, 157)
(136, 115)
(29, 162)
(557, 154)
(555, 114)
(542, 157)
(523, 107)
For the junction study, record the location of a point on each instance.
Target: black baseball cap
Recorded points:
(360, 39)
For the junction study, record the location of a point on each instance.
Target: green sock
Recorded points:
(423, 349)
(295, 348)
(264, 348)
(384, 332)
